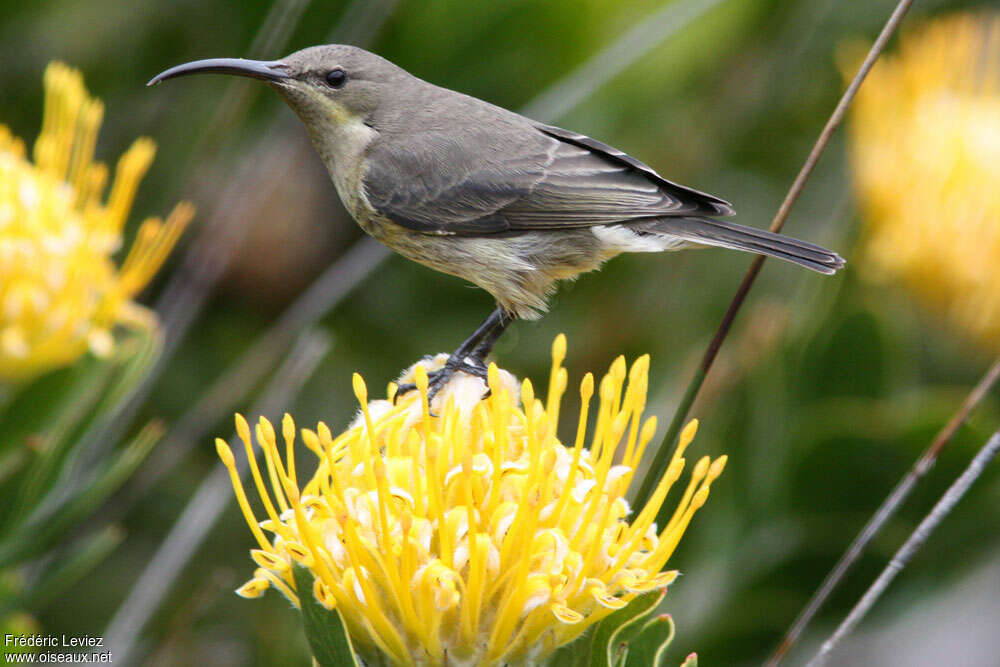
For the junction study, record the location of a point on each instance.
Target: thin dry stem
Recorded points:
(914, 542)
(666, 448)
(885, 512)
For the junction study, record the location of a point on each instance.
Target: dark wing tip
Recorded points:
(721, 206)
(710, 204)
(828, 265)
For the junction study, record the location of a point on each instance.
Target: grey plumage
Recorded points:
(486, 194)
(508, 203)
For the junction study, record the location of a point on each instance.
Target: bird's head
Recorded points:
(327, 86)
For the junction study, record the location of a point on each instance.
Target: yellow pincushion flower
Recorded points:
(925, 151)
(60, 292)
(467, 534)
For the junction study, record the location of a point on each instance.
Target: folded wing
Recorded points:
(554, 179)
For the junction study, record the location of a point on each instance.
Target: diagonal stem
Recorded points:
(272, 36)
(913, 543)
(885, 512)
(667, 446)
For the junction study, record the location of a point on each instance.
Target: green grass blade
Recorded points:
(83, 558)
(45, 528)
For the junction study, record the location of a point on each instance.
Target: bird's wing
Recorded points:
(691, 200)
(554, 179)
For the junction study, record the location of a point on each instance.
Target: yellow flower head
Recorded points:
(60, 292)
(468, 534)
(925, 151)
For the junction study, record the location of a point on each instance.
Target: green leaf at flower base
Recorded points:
(605, 645)
(325, 629)
(614, 632)
(574, 654)
(649, 647)
(690, 661)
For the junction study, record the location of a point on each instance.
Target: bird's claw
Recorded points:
(436, 380)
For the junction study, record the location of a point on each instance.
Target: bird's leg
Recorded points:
(469, 356)
(489, 339)
(485, 346)
(470, 347)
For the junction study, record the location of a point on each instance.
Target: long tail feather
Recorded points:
(706, 231)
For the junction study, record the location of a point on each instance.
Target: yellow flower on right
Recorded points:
(925, 156)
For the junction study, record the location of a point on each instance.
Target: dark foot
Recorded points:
(439, 378)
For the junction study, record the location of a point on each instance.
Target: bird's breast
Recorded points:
(343, 149)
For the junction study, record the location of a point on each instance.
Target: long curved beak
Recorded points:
(258, 69)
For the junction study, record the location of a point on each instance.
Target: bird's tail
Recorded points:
(706, 231)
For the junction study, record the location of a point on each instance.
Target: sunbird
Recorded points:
(486, 194)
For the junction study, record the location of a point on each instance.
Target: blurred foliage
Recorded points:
(48, 426)
(824, 394)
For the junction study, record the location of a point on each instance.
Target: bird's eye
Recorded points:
(336, 78)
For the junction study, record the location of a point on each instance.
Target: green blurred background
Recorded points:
(826, 391)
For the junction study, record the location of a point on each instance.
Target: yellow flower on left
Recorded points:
(60, 292)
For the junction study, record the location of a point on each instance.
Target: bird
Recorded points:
(474, 190)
